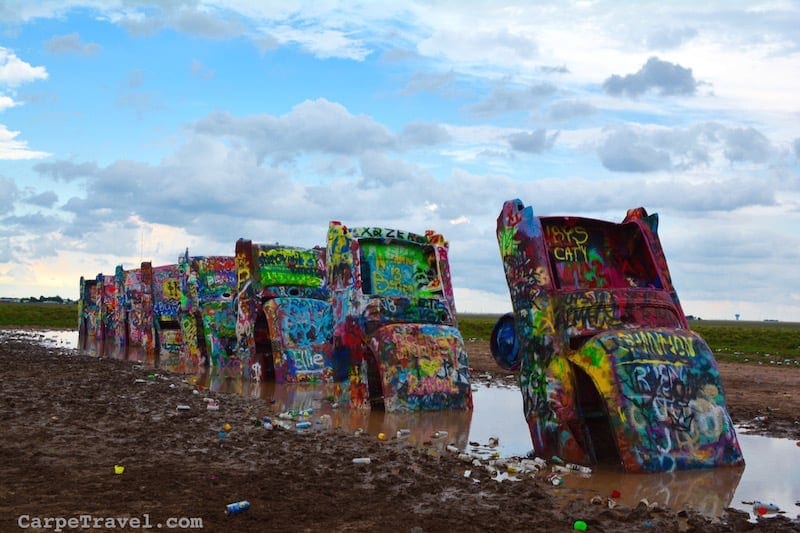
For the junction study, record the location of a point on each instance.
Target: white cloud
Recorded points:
(6, 103)
(15, 72)
(12, 148)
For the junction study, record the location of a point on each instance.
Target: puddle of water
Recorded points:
(771, 474)
(50, 338)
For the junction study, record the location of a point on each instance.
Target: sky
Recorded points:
(130, 131)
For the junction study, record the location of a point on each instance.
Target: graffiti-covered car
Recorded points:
(172, 352)
(90, 330)
(136, 302)
(395, 328)
(207, 313)
(608, 368)
(284, 327)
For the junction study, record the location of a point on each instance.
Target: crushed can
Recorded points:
(237, 507)
(555, 479)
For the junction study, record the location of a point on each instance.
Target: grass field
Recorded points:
(737, 341)
(40, 315)
(746, 342)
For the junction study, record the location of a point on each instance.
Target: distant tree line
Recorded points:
(40, 299)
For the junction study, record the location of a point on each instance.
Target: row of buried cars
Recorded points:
(373, 311)
(608, 368)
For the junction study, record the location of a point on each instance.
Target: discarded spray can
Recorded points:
(554, 479)
(579, 468)
(237, 507)
(362, 460)
(452, 449)
(439, 434)
(763, 508)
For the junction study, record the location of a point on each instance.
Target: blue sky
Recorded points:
(130, 131)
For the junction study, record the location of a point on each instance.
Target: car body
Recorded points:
(608, 368)
(395, 329)
(284, 327)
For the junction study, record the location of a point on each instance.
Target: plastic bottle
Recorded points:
(362, 461)
(303, 425)
(238, 507)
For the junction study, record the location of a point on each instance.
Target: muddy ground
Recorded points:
(68, 418)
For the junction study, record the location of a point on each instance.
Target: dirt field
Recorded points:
(69, 418)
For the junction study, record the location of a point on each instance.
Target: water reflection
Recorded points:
(708, 491)
(434, 429)
(771, 475)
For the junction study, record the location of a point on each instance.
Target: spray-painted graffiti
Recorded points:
(608, 368)
(302, 348)
(426, 365)
(90, 332)
(280, 265)
(166, 297)
(208, 286)
(268, 313)
(283, 322)
(394, 319)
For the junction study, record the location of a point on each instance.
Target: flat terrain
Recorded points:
(69, 418)
(767, 391)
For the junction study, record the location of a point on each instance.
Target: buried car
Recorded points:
(607, 365)
(395, 329)
(284, 325)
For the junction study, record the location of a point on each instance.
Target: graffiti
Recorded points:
(283, 319)
(388, 234)
(285, 266)
(355, 313)
(301, 338)
(394, 319)
(645, 344)
(607, 337)
(398, 270)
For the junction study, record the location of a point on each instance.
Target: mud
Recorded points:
(69, 418)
